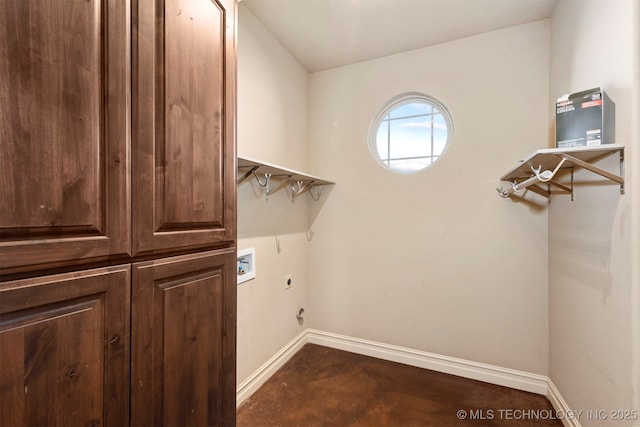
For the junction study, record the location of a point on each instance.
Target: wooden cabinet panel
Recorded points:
(183, 340)
(184, 128)
(64, 349)
(64, 90)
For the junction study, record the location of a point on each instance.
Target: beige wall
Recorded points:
(436, 261)
(272, 126)
(592, 259)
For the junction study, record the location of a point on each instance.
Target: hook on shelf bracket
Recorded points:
(267, 178)
(318, 192)
(282, 184)
(299, 187)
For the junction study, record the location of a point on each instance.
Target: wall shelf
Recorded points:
(296, 182)
(546, 165)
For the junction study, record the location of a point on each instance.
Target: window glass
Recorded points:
(410, 133)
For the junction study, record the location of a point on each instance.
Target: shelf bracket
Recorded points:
(247, 174)
(597, 170)
(564, 188)
(541, 191)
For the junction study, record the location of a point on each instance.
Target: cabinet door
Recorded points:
(64, 349)
(64, 85)
(184, 123)
(183, 341)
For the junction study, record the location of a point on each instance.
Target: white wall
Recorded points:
(436, 261)
(592, 262)
(272, 126)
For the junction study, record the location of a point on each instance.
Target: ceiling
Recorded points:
(323, 34)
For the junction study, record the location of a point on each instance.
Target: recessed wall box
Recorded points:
(246, 265)
(585, 119)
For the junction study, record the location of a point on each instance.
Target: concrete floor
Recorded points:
(320, 386)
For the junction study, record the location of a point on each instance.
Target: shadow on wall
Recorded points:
(534, 202)
(259, 215)
(584, 242)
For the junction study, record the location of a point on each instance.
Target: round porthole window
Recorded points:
(411, 133)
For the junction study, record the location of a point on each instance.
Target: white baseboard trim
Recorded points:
(492, 374)
(264, 372)
(560, 405)
(518, 380)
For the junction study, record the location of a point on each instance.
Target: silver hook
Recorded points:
(503, 193)
(319, 193)
(295, 186)
(267, 177)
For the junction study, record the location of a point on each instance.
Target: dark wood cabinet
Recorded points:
(64, 349)
(117, 202)
(64, 136)
(183, 340)
(184, 159)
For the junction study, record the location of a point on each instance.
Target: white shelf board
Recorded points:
(549, 158)
(246, 164)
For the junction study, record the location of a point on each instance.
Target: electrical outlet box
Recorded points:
(288, 281)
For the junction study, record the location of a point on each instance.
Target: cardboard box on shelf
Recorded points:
(585, 119)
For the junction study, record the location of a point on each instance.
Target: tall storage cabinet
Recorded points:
(117, 212)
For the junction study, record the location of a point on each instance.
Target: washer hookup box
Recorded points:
(585, 119)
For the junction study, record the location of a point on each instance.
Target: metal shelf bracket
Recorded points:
(597, 170)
